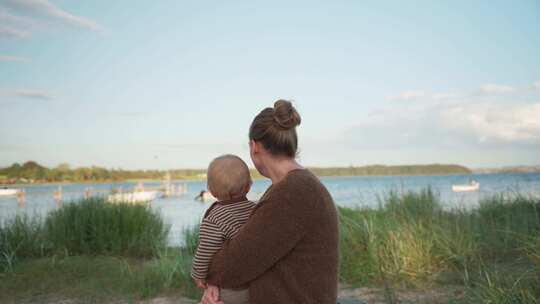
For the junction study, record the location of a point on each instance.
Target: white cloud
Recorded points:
(43, 9)
(46, 8)
(14, 59)
(536, 85)
(12, 26)
(32, 94)
(496, 89)
(444, 120)
(408, 95)
(492, 122)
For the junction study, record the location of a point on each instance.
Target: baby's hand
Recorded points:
(201, 283)
(211, 295)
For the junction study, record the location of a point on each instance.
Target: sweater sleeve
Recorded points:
(210, 240)
(272, 231)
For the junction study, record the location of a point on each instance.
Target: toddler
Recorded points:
(229, 181)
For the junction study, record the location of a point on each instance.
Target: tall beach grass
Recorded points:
(89, 227)
(21, 236)
(96, 227)
(409, 241)
(98, 244)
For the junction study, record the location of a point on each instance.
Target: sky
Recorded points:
(173, 84)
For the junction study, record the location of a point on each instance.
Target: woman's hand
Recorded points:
(211, 295)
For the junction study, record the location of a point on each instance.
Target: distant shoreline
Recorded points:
(255, 178)
(32, 173)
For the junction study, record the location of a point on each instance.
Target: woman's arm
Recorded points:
(272, 231)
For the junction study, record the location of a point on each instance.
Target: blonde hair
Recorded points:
(228, 177)
(275, 128)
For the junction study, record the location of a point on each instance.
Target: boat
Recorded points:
(205, 196)
(9, 191)
(472, 186)
(133, 197)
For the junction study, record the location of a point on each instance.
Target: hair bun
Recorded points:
(285, 114)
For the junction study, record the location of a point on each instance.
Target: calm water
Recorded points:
(184, 211)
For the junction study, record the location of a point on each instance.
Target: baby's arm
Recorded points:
(211, 239)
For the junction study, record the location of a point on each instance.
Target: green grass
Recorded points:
(96, 227)
(89, 227)
(508, 283)
(112, 251)
(20, 237)
(409, 243)
(94, 279)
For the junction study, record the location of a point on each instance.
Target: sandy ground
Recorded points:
(377, 295)
(369, 295)
(366, 294)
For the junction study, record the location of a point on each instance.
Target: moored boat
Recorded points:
(472, 186)
(9, 191)
(133, 197)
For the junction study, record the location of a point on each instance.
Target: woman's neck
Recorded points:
(279, 167)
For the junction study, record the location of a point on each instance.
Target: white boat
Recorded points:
(133, 197)
(472, 186)
(9, 191)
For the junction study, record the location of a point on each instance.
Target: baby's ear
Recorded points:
(211, 191)
(248, 186)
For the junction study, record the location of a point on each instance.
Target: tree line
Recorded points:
(31, 172)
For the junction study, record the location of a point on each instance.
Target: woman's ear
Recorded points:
(255, 146)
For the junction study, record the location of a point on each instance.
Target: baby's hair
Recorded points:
(228, 177)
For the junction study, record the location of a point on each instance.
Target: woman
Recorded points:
(288, 251)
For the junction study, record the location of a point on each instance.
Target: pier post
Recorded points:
(58, 197)
(182, 189)
(87, 192)
(21, 198)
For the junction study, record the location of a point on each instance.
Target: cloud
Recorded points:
(408, 95)
(12, 26)
(14, 59)
(40, 10)
(493, 122)
(449, 121)
(488, 89)
(33, 94)
(10, 32)
(45, 8)
(417, 94)
(496, 89)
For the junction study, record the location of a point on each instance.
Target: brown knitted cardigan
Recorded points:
(288, 250)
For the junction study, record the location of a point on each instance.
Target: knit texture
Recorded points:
(288, 250)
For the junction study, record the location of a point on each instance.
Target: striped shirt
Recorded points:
(220, 223)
